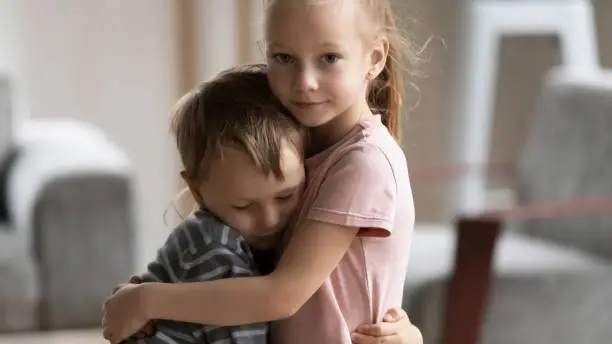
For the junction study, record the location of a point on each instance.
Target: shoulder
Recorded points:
(364, 160)
(211, 249)
(204, 232)
(377, 152)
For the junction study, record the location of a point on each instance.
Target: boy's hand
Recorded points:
(396, 328)
(135, 279)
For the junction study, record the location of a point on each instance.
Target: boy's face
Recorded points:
(257, 205)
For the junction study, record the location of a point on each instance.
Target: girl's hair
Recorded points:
(386, 91)
(236, 109)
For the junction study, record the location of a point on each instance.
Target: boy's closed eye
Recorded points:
(284, 197)
(242, 206)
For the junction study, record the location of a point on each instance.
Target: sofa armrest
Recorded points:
(70, 195)
(49, 150)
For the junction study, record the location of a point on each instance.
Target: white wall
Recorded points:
(113, 63)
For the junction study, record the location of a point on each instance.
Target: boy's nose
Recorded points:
(271, 219)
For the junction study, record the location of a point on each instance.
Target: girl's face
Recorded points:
(318, 62)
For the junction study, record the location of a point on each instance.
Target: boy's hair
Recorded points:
(236, 109)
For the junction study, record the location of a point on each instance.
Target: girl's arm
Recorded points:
(359, 191)
(313, 252)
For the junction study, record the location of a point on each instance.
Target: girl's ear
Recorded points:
(379, 56)
(193, 187)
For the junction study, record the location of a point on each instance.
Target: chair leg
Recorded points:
(469, 286)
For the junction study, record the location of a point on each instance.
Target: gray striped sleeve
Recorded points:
(168, 264)
(217, 263)
(204, 249)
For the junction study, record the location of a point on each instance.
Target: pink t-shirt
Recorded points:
(362, 181)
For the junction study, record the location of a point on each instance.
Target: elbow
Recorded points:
(285, 302)
(290, 309)
(284, 308)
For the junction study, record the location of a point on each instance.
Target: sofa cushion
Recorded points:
(557, 308)
(534, 280)
(433, 252)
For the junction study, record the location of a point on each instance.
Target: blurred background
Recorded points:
(514, 106)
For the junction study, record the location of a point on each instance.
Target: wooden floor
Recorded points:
(93, 336)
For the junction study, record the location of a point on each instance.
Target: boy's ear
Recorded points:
(193, 187)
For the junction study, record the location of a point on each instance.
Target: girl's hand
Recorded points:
(149, 329)
(396, 328)
(122, 314)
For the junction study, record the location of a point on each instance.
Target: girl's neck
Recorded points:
(333, 131)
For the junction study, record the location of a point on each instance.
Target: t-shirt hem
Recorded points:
(369, 226)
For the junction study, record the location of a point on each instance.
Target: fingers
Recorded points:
(116, 339)
(118, 287)
(401, 313)
(391, 315)
(358, 338)
(106, 334)
(395, 315)
(135, 279)
(149, 329)
(378, 330)
(393, 322)
(140, 335)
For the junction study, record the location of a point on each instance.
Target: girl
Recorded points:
(336, 66)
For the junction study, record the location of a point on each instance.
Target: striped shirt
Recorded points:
(203, 248)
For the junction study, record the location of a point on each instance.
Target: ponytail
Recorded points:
(386, 90)
(385, 94)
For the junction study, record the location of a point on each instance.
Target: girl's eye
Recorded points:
(283, 58)
(331, 58)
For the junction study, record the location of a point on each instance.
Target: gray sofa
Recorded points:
(551, 278)
(68, 229)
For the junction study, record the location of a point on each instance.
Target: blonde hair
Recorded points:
(386, 91)
(236, 109)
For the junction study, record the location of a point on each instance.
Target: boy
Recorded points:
(242, 155)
